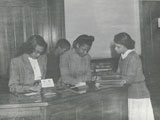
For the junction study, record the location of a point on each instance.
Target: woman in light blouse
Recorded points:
(29, 67)
(130, 68)
(75, 63)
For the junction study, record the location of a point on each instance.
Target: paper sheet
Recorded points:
(31, 93)
(47, 83)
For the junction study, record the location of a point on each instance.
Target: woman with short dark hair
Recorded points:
(130, 68)
(75, 64)
(29, 67)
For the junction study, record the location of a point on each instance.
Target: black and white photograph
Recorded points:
(79, 59)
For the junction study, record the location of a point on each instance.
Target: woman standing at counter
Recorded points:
(130, 68)
(29, 67)
(75, 64)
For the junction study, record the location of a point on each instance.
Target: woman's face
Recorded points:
(37, 52)
(62, 50)
(82, 50)
(120, 49)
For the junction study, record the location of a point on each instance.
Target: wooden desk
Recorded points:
(104, 104)
(12, 106)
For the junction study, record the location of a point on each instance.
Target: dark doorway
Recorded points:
(150, 33)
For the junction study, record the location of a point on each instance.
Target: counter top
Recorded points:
(109, 103)
(38, 99)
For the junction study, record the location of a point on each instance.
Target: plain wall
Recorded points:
(102, 19)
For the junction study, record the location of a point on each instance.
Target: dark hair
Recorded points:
(83, 39)
(32, 42)
(63, 43)
(125, 39)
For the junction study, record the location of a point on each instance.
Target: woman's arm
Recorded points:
(132, 69)
(14, 81)
(87, 75)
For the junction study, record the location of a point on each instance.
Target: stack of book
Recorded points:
(80, 87)
(110, 81)
(103, 67)
(110, 77)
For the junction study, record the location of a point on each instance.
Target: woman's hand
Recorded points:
(36, 88)
(123, 82)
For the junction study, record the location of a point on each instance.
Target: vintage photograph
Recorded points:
(79, 59)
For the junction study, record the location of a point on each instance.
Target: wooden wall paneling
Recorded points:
(28, 21)
(56, 20)
(43, 23)
(3, 40)
(10, 31)
(35, 21)
(22, 18)
(15, 3)
(18, 27)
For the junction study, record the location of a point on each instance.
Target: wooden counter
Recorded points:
(104, 104)
(20, 106)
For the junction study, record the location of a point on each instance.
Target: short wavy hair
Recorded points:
(83, 39)
(63, 43)
(34, 40)
(125, 39)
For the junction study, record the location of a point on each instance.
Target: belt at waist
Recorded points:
(136, 82)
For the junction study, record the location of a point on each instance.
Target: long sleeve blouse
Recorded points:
(130, 68)
(74, 68)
